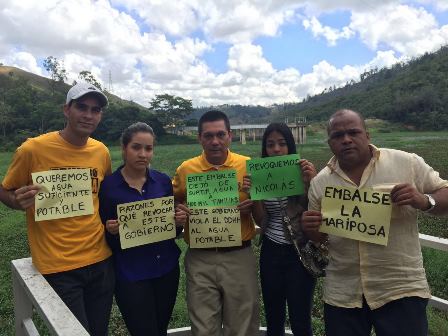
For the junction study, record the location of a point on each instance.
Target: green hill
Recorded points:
(31, 104)
(413, 93)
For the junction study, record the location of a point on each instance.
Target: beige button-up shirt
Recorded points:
(380, 273)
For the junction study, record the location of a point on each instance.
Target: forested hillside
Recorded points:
(415, 94)
(31, 105)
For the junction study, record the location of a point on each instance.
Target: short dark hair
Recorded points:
(213, 115)
(284, 130)
(131, 130)
(342, 112)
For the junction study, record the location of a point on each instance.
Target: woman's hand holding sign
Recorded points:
(112, 226)
(308, 171)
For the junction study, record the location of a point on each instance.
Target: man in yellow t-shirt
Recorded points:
(71, 253)
(222, 287)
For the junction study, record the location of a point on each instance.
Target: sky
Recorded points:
(248, 52)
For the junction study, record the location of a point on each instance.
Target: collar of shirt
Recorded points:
(118, 178)
(334, 167)
(206, 166)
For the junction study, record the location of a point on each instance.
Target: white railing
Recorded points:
(442, 245)
(31, 291)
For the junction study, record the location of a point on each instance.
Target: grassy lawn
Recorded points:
(432, 146)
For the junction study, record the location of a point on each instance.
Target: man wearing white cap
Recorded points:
(71, 253)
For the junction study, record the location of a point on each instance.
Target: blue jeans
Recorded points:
(284, 280)
(88, 293)
(401, 317)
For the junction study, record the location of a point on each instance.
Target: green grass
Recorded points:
(430, 145)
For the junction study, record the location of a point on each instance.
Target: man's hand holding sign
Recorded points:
(361, 214)
(63, 193)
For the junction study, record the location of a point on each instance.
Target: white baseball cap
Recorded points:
(83, 88)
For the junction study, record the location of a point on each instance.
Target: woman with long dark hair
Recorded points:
(284, 279)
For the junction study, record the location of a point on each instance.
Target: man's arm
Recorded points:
(19, 199)
(406, 194)
(441, 198)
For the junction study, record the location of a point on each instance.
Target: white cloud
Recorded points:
(411, 31)
(384, 59)
(440, 5)
(53, 27)
(248, 60)
(408, 30)
(23, 60)
(323, 76)
(177, 18)
(317, 7)
(160, 46)
(232, 21)
(332, 35)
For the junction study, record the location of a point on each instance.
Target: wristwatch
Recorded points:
(432, 203)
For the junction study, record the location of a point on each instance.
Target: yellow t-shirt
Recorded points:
(62, 244)
(199, 164)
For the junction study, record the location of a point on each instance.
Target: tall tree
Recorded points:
(170, 110)
(56, 70)
(90, 78)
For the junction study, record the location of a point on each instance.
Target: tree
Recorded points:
(90, 78)
(5, 117)
(170, 110)
(56, 69)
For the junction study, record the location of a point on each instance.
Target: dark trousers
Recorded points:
(284, 280)
(147, 305)
(402, 317)
(88, 293)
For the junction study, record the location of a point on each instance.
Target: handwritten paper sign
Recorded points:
(63, 193)
(216, 188)
(146, 222)
(275, 176)
(360, 214)
(215, 227)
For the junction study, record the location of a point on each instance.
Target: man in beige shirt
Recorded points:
(369, 285)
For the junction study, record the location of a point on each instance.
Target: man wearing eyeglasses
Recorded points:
(222, 289)
(71, 253)
(369, 285)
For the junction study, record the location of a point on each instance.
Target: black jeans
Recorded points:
(284, 280)
(88, 293)
(147, 305)
(402, 317)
